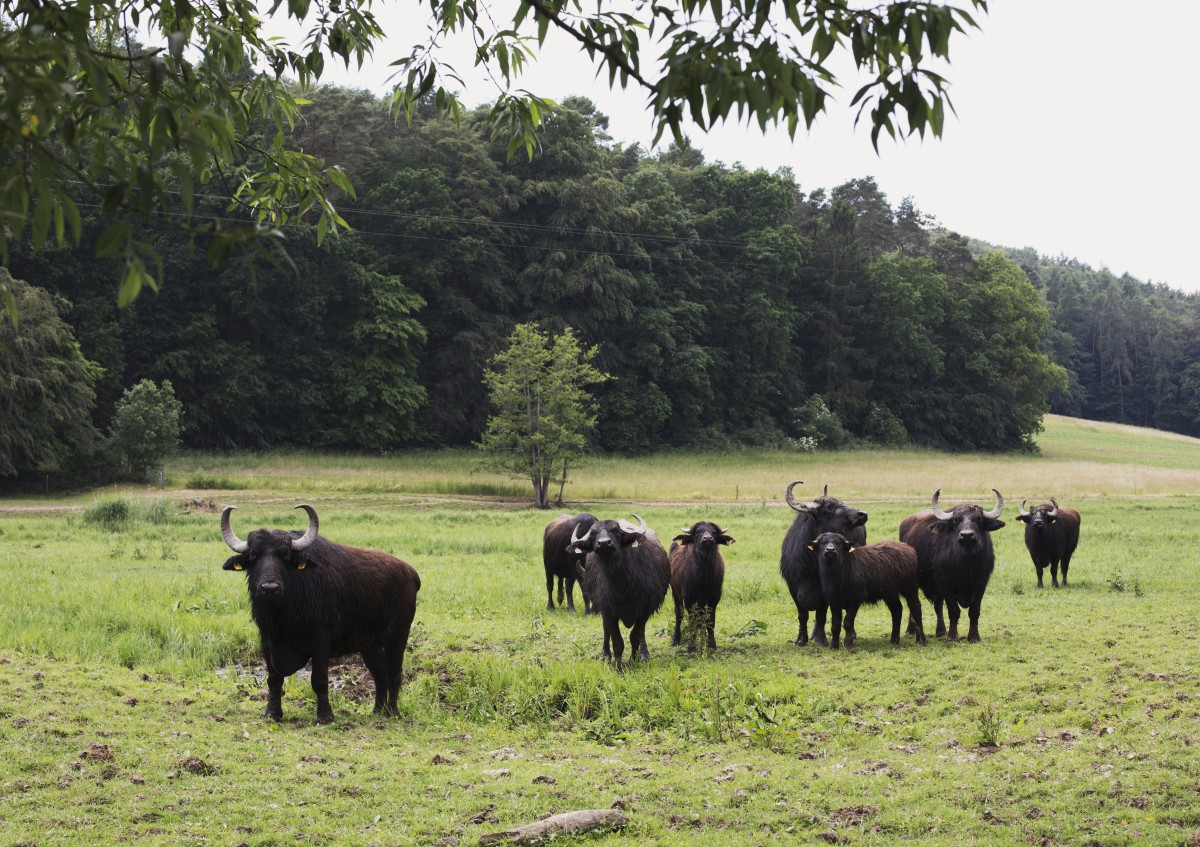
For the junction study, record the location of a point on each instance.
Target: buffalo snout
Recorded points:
(967, 537)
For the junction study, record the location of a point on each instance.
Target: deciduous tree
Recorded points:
(538, 387)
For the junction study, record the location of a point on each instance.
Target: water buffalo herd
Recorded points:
(315, 600)
(825, 560)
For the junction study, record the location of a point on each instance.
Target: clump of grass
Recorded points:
(1117, 582)
(989, 726)
(112, 513)
(120, 513)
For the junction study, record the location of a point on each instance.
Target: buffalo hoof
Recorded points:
(324, 718)
(276, 716)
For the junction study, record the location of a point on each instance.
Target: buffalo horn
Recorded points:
(995, 512)
(310, 535)
(937, 510)
(1054, 513)
(235, 544)
(575, 539)
(637, 530)
(791, 501)
(1024, 513)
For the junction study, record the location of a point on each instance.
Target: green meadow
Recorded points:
(131, 689)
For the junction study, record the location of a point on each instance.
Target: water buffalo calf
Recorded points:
(1051, 536)
(852, 576)
(697, 576)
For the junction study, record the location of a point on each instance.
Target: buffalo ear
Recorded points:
(234, 563)
(994, 524)
(725, 539)
(1024, 518)
(685, 538)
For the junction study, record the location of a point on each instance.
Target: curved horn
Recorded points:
(637, 530)
(999, 507)
(1024, 513)
(235, 544)
(1054, 514)
(825, 493)
(791, 501)
(937, 510)
(310, 535)
(575, 539)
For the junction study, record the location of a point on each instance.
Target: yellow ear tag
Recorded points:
(302, 566)
(812, 547)
(634, 544)
(237, 567)
(851, 549)
(577, 550)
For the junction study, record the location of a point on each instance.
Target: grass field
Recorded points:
(131, 690)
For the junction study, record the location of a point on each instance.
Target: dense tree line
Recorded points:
(730, 306)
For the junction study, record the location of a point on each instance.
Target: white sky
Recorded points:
(1076, 130)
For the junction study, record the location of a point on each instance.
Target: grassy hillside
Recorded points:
(131, 690)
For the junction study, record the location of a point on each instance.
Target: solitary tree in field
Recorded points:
(543, 411)
(146, 425)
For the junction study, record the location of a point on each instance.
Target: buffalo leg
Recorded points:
(914, 615)
(952, 608)
(940, 630)
(609, 625)
(1066, 563)
(893, 604)
(802, 636)
(710, 617)
(851, 634)
(549, 591)
(835, 628)
(560, 590)
(377, 665)
(1054, 572)
(281, 663)
(570, 593)
(612, 635)
(637, 642)
(973, 613)
(818, 633)
(274, 709)
(320, 686)
(1040, 567)
(677, 637)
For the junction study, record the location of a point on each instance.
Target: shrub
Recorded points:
(120, 513)
(146, 425)
(883, 427)
(815, 420)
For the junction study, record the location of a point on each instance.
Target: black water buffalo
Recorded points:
(561, 560)
(956, 558)
(627, 575)
(798, 562)
(697, 576)
(314, 599)
(852, 576)
(1051, 535)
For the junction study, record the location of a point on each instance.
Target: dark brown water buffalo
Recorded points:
(627, 575)
(798, 562)
(562, 562)
(1051, 536)
(315, 600)
(852, 576)
(956, 557)
(697, 577)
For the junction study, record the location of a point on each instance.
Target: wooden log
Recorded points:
(568, 823)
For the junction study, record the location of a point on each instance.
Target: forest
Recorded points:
(733, 307)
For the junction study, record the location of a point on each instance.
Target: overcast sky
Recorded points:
(1076, 131)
